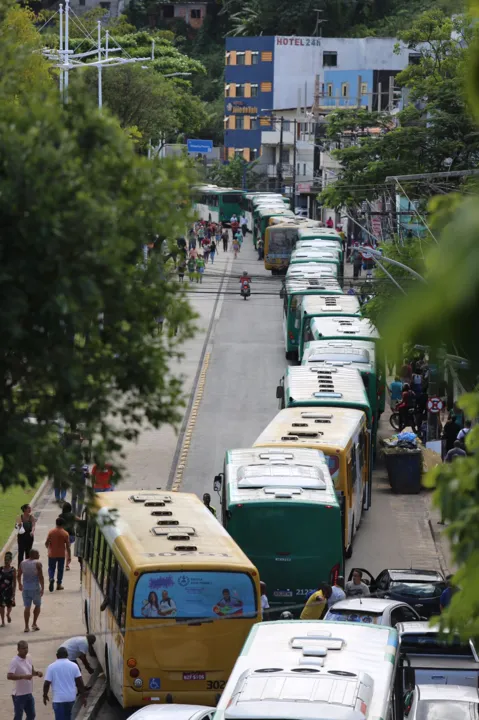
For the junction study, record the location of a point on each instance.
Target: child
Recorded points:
(200, 269)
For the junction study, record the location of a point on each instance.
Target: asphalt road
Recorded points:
(246, 360)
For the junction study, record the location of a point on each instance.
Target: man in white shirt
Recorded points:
(264, 598)
(356, 587)
(167, 605)
(78, 648)
(22, 672)
(65, 678)
(333, 594)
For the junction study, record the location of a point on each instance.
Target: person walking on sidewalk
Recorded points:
(57, 544)
(8, 584)
(69, 524)
(25, 532)
(22, 672)
(225, 238)
(31, 585)
(212, 251)
(65, 678)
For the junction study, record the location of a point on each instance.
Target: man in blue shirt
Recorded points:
(446, 595)
(396, 390)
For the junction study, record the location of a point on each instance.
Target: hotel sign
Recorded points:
(298, 41)
(239, 108)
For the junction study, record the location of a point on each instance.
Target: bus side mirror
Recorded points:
(280, 392)
(217, 483)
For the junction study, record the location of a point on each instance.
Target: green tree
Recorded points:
(77, 302)
(236, 174)
(435, 125)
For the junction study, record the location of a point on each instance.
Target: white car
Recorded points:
(174, 712)
(442, 702)
(372, 610)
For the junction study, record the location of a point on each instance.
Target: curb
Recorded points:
(437, 540)
(95, 700)
(34, 499)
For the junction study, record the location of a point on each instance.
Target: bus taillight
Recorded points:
(131, 662)
(134, 673)
(334, 574)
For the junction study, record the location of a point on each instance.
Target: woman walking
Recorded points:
(200, 269)
(236, 246)
(8, 585)
(212, 251)
(26, 529)
(206, 251)
(69, 524)
(191, 268)
(225, 238)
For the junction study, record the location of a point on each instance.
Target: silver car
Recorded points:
(442, 702)
(372, 610)
(174, 712)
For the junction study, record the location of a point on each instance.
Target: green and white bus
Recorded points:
(264, 215)
(281, 508)
(217, 204)
(319, 233)
(317, 306)
(359, 354)
(252, 200)
(292, 293)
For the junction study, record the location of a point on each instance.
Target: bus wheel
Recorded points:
(349, 550)
(87, 620)
(109, 697)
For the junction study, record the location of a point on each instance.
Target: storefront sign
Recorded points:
(298, 41)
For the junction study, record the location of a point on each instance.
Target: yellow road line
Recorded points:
(180, 468)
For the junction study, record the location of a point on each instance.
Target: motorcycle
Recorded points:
(245, 289)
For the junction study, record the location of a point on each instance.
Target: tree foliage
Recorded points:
(80, 346)
(433, 127)
(236, 174)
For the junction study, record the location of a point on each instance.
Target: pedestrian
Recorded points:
(79, 480)
(65, 678)
(191, 268)
(8, 585)
(356, 587)
(315, 606)
(192, 240)
(57, 544)
(447, 594)
(456, 451)
(25, 525)
(236, 246)
(102, 475)
(351, 290)
(239, 237)
(200, 269)
(405, 372)
(260, 249)
(207, 503)
(243, 225)
(407, 403)
(416, 384)
(32, 585)
(69, 524)
(329, 222)
(462, 434)
(60, 488)
(218, 235)
(395, 389)
(206, 251)
(333, 594)
(22, 672)
(181, 270)
(449, 434)
(225, 238)
(79, 647)
(357, 260)
(264, 599)
(212, 251)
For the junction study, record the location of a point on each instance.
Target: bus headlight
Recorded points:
(137, 683)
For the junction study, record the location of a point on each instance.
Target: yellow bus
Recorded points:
(343, 436)
(169, 595)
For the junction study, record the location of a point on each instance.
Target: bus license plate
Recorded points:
(194, 676)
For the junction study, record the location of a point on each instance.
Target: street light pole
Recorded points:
(279, 166)
(294, 164)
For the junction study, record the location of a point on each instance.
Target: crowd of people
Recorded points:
(205, 241)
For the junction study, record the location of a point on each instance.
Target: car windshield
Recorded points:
(450, 709)
(359, 616)
(416, 589)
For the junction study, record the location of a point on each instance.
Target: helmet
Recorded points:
(244, 272)
(286, 615)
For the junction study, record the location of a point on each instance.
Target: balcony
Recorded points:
(272, 137)
(287, 170)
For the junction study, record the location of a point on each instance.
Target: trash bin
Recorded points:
(404, 468)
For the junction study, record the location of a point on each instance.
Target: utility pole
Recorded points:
(279, 166)
(295, 123)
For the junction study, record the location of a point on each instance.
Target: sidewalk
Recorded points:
(148, 466)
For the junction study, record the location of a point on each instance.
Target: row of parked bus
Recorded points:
(294, 501)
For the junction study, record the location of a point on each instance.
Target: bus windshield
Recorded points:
(232, 198)
(281, 242)
(187, 595)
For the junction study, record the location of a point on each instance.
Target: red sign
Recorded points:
(194, 676)
(435, 404)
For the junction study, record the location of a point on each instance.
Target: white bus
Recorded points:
(313, 670)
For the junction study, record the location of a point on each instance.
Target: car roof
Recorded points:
(447, 692)
(154, 712)
(416, 575)
(365, 604)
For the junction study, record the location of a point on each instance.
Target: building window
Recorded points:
(105, 6)
(344, 90)
(266, 57)
(286, 125)
(168, 11)
(196, 14)
(285, 156)
(254, 123)
(329, 89)
(240, 90)
(266, 87)
(254, 91)
(414, 58)
(240, 122)
(364, 88)
(227, 58)
(253, 154)
(240, 58)
(304, 168)
(227, 90)
(239, 152)
(254, 58)
(330, 59)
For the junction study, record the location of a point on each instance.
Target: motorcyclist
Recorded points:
(245, 281)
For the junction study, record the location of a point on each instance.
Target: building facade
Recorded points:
(267, 76)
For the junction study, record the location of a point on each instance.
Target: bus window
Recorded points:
(112, 581)
(121, 599)
(307, 334)
(96, 547)
(106, 569)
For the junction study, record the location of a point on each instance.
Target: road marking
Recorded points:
(180, 468)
